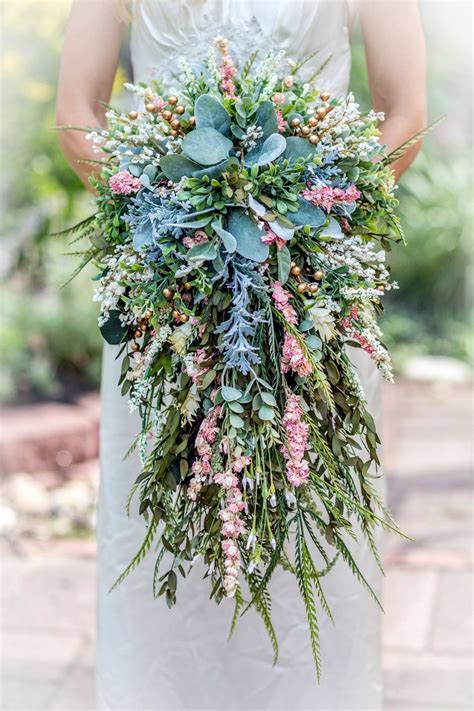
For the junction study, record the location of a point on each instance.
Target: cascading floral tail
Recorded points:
(240, 235)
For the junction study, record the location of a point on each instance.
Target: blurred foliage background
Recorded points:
(50, 342)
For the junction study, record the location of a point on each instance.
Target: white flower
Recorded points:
(190, 406)
(323, 321)
(180, 336)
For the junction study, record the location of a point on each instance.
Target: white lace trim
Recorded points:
(245, 37)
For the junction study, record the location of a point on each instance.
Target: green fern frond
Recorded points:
(274, 560)
(304, 577)
(348, 558)
(72, 230)
(132, 448)
(239, 601)
(263, 607)
(355, 506)
(369, 536)
(304, 61)
(88, 258)
(88, 232)
(130, 496)
(83, 129)
(249, 63)
(316, 542)
(320, 69)
(324, 571)
(156, 572)
(319, 590)
(404, 147)
(381, 505)
(143, 550)
(89, 161)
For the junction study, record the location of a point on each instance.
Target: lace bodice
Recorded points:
(165, 30)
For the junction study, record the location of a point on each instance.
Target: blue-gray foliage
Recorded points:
(240, 328)
(154, 220)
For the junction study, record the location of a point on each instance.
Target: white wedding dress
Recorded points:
(150, 657)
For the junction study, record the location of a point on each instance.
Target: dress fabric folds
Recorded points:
(150, 657)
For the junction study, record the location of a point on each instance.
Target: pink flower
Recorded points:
(326, 196)
(297, 468)
(240, 463)
(124, 183)
(201, 467)
(278, 98)
(282, 124)
(198, 238)
(228, 70)
(232, 524)
(235, 502)
(227, 480)
(364, 342)
(228, 87)
(271, 238)
(297, 472)
(293, 357)
(158, 103)
(230, 549)
(282, 302)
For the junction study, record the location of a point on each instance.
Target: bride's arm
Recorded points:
(89, 61)
(395, 51)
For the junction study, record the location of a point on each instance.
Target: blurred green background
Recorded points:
(50, 341)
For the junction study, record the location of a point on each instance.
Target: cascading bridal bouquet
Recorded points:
(240, 236)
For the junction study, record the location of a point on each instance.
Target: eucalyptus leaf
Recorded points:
(145, 181)
(228, 240)
(113, 329)
(256, 206)
(143, 236)
(333, 229)
(135, 169)
(281, 231)
(210, 113)
(176, 166)
(206, 146)
(230, 394)
(297, 147)
(284, 264)
(313, 342)
(248, 236)
(257, 402)
(237, 131)
(268, 399)
(266, 413)
(151, 171)
(204, 251)
(266, 119)
(236, 421)
(266, 152)
(308, 214)
(306, 325)
(213, 171)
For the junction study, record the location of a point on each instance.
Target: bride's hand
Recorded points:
(88, 65)
(395, 51)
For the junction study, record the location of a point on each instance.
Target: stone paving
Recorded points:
(47, 642)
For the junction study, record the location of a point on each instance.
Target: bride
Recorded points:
(149, 657)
